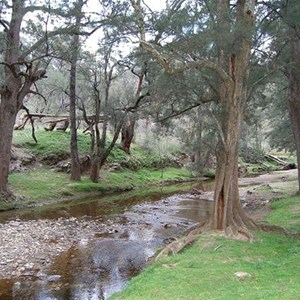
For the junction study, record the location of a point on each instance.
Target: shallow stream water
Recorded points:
(102, 262)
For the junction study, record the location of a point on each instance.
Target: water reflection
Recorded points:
(95, 268)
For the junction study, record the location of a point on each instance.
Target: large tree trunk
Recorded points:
(127, 133)
(12, 95)
(8, 113)
(294, 98)
(199, 149)
(95, 169)
(228, 215)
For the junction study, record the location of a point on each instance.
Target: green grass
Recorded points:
(56, 142)
(286, 213)
(206, 271)
(40, 184)
(43, 184)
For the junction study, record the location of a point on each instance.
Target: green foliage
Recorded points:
(207, 271)
(251, 155)
(281, 137)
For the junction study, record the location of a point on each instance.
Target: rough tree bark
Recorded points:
(127, 133)
(199, 151)
(293, 74)
(75, 173)
(228, 215)
(17, 83)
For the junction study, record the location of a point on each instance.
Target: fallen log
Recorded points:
(278, 160)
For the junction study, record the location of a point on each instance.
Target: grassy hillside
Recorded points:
(57, 142)
(39, 183)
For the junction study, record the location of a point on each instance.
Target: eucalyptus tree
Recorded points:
(22, 61)
(231, 30)
(282, 27)
(127, 132)
(109, 102)
(131, 28)
(20, 74)
(290, 12)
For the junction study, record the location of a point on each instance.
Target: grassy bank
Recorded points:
(142, 168)
(38, 185)
(207, 269)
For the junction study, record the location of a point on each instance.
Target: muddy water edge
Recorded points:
(90, 248)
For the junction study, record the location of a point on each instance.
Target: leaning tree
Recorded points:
(19, 76)
(22, 65)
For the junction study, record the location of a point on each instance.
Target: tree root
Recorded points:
(240, 232)
(7, 196)
(234, 231)
(278, 229)
(181, 243)
(177, 245)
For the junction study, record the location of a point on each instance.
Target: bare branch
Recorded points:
(38, 94)
(32, 123)
(4, 24)
(178, 113)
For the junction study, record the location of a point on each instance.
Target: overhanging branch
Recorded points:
(200, 63)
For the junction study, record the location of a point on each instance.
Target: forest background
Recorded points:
(218, 78)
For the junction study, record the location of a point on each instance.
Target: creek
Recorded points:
(91, 248)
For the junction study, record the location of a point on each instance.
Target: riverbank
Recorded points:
(121, 231)
(43, 186)
(216, 267)
(42, 234)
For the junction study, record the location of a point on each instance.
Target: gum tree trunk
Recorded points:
(12, 96)
(294, 98)
(8, 110)
(75, 164)
(127, 133)
(228, 215)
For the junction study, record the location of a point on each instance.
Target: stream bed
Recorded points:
(89, 249)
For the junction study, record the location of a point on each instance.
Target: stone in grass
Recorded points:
(242, 275)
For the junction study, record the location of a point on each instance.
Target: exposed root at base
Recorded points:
(177, 246)
(278, 229)
(236, 232)
(7, 196)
